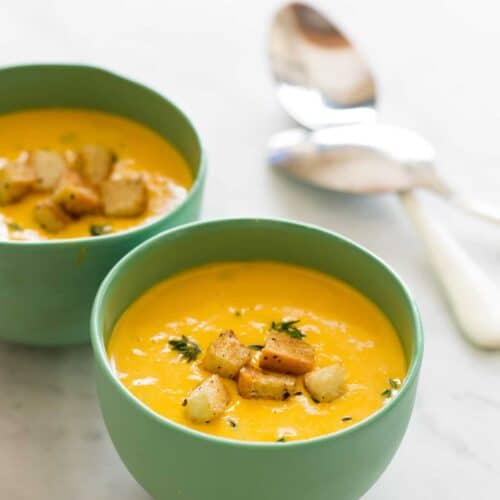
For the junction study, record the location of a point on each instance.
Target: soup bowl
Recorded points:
(47, 287)
(173, 461)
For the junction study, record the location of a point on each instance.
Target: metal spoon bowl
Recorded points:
(323, 81)
(364, 158)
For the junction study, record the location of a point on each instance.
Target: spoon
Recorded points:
(325, 85)
(321, 80)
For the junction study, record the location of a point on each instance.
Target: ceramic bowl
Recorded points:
(47, 287)
(172, 461)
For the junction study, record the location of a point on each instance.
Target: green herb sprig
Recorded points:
(256, 347)
(394, 385)
(67, 137)
(100, 229)
(14, 226)
(288, 327)
(188, 348)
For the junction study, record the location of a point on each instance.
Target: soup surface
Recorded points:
(247, 297)
(135, 148)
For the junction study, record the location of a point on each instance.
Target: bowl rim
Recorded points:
(198, 178)
(100, 353)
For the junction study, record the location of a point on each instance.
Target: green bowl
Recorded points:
(47, 288)
(172, 461)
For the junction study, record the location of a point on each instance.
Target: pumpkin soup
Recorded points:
(71, 173)
(257, 351)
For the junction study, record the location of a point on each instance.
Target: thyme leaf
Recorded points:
(14, 226)
(256, 347)
(394, 385)
(100, 229)
(67, 137)
(387, 393)
(188, 348)
(288, 327)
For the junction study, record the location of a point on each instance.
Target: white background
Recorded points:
(437, 69)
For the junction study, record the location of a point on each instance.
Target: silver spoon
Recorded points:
(322, 80)
(326, 86)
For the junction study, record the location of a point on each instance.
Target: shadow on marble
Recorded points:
(53, 441)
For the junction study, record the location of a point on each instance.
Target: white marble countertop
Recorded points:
(437, 68)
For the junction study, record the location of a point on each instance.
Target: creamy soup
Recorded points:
(70, 173)
(200, 338)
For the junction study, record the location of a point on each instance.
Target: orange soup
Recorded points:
(70, 173)
(257, 351)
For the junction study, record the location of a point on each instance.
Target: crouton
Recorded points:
(226, 355)
(48, 167)
(16, 180)
(71, 177)
(124, 197)
(254, 384)
(207, 401)
(285, 354)
(326, 384)
(95, 163)
(50, 216)
(74, 196)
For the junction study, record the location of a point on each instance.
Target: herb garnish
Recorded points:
(100, 229)
(394, 385)
(232, 423)
(281, 439)
(188, 348)
(14, 226)
(346, 419)
(184, 402)
(256, 347)
(288, 327)
(67, 137)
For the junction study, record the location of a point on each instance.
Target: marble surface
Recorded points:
(437, 69)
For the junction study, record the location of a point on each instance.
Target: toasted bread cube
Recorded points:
(254, 384)
(16, 180)
(285, 354)
(124, 197)
(96, 163)
(226, 355)
(71, 177)
(207, 401)
(326, 384)
(50, 216)
(48, 167)
(74, 196)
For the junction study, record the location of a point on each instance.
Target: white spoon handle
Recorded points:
(478, 208)
(473, 296)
